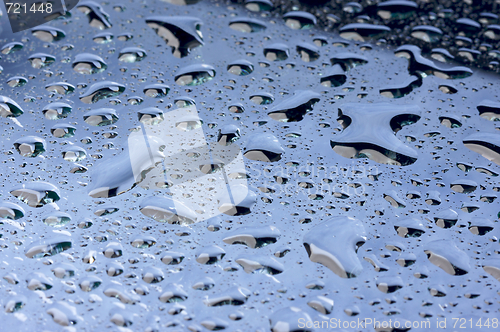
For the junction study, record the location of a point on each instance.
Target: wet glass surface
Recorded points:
(340, 177)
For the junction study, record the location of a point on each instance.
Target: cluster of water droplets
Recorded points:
(372, 172)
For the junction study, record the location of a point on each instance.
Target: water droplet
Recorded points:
(276, 52)
(194, 75)
(74, 154)
(48, 34)
(103, 38)
(61, 88)
(86, 63)
(240, 67)
(16, 81)
(156, 90)
(56, 219)
(48, 247)
(246, 24)
(101, 117)
(132, 54)
(299, 20)
(30, 146)
(263, 147)
(363, 31)
(63, 130)
(41, 60)
(37, 194)
(489, 110)
(253, 236)
(56, 111)
(11, 211)
(485, 144)
(165, 209)
(11, 47)
(102, 90)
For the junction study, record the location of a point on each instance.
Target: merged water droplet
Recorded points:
(447, 256)
(334, 244)
(98, 18)
(417, 63)
(399, 91)
(181, 33)
(294, 108)
(361, 138)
